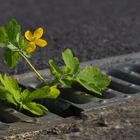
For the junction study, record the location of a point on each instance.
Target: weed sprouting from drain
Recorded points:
(17, 46)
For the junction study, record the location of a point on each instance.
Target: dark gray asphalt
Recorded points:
(93, 29)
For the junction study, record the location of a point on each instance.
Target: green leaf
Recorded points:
(66, 76)
(11, 58)
(43, 92)
(24, 95)
(38, 93)
(10, 83)
(55, 70)
(66, 82)
(35, 108)
(10, 89)
(3, 35)
(3, 93)
(12, 30)
(3, 45)
(53, 93)
(93, 79)
(71, 62)
(12, 93)
(10, 99)
(22, 43)
(42, 107)
(12, 47)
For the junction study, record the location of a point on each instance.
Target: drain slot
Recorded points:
(122, 88)
(7, 117)
(105, 94)
(10, 115)
(71, 111)
(108, 94)
(74, 96)
(125, 76)
(61, 107)
(134, 68)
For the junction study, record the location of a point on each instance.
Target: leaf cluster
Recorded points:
(12, 41)
(24, 99)
(90, 77)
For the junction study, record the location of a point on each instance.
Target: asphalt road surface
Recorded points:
(93, 29)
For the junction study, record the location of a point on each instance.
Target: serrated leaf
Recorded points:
(10, 89)
(12, 93)
(12, 29)
(3, 93)
(3, 35)
(11, 58)
(34, 108)
(55, 70)
(38, 93)
(93, 79)
(71, 62)
(10, 99)
(44, 92)
(24, 95)
(42, 107)
(22, 43)
(9, 82)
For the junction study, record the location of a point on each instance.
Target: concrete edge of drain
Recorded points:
(101, 63)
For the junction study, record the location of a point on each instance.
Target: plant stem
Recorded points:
(32, 67)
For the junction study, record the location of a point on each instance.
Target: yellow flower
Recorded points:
(35, 39)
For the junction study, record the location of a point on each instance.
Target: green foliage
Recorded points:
(3, 35)
(13, 42)
(12, 93)
(12, 30)
(93, 79)
(55, 70)
(66, 75)
(15, 46)
(90, 78)
(71, 62)
(11, 57)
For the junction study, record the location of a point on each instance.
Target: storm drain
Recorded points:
(125, 84)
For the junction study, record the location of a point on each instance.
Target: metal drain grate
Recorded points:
(125, 83)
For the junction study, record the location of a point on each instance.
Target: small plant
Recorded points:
(90, 77)
(17, 46)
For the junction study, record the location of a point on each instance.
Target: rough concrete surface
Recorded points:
(120, 121)
(93, 29)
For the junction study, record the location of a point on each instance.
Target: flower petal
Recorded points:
(41, 42)
(29, 35)
(31, 47)
(38, 33)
